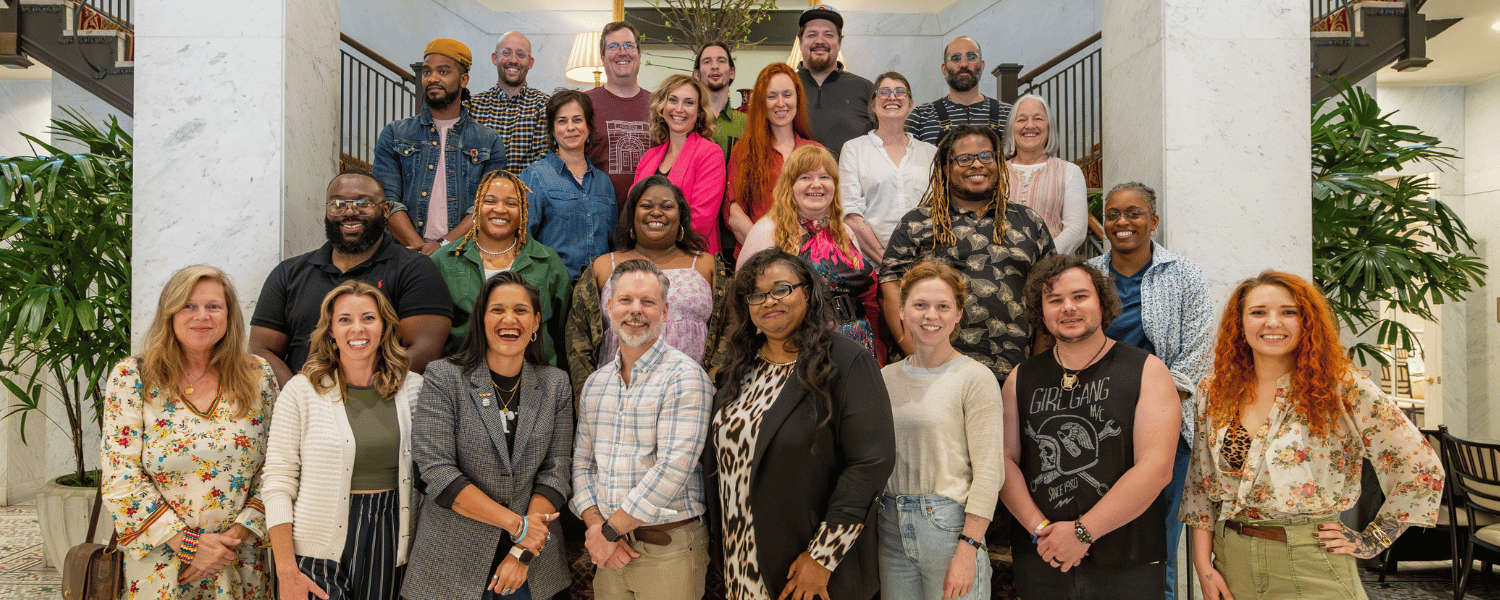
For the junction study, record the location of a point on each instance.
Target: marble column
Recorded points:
(1207, 101)
(236, 135)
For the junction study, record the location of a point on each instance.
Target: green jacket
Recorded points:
(464, 272)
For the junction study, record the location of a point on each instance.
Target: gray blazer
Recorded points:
(454, 435)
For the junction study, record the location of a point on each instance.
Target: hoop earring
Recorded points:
(632, 232)
(680, 233)
(533, 336)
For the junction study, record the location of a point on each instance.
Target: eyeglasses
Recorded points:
(776, 293)
(361, 206)
(1130, 215)
(625, 47)
(972, 56)
(964, 160)
(507, 53)
(888, 92)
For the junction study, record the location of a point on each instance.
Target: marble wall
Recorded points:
(28, 108)
(66, 94)
(1481, 195)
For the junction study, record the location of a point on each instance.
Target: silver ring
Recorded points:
(506, 593)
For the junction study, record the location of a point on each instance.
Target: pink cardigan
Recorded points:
(699, 171)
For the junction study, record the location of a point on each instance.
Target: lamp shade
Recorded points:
(584, 62)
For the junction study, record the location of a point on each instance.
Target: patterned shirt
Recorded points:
(638, 445)
(520, 120)
(926, 123)
(1290, 473)
(1177, 315)
(994, 330)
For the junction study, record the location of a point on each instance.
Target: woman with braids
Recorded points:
(965, 222)
(571, 202)
(686, 152)
(1284, 421)
(775, 125)
(807, 219)
(801, 444)
(338, 468)
(498, 242)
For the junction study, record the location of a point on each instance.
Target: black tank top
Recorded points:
(1075, 444)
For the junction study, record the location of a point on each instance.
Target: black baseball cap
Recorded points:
(822, 11)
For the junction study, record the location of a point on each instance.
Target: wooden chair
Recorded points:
(1475, 472)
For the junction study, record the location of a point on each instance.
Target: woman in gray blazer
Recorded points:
(493, 436)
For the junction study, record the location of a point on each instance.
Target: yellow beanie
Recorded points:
(453, 49)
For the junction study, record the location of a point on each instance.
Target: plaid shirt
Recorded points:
(637, 446)
(519, 120)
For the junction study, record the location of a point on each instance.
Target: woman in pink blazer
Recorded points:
(686, 152)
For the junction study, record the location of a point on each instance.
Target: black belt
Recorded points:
(846, 307)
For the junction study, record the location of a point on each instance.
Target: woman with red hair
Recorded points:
(775, 125)
(1284, 421)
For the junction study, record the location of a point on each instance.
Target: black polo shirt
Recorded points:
(293, 293)
(838, 110)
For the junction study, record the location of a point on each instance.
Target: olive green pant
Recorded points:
(1258, 569)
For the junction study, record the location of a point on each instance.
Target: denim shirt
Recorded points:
(406, 157)
(577, 221)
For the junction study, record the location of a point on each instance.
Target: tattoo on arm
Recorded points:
(1378, 536)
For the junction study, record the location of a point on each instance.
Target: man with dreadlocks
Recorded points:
(966, 222)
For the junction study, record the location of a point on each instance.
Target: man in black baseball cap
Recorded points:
(837, 100)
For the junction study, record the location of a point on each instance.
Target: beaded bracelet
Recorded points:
(189, 548)
(525, 526)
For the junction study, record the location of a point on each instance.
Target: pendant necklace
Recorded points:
(1070, 379)
(500, 395)
(189, 388)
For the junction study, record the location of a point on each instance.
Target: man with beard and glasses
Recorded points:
(964, 105)
(357, 248)
(642, 424)
(1090, 430)
(428, 210)
(714, 67)
(966, 222)
(513, 110)
(622, 109)
(838, 102)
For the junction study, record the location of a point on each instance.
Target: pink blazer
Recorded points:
(699, 171)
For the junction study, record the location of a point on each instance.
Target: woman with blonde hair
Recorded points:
(686, 152)
(807, 219)
(339, 468)
(194, 398)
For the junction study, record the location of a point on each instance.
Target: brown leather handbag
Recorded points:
(94, 571)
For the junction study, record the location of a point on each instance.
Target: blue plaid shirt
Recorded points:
(637, 446)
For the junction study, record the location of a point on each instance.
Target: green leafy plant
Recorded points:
(65, 259)
(1378, 237)
(699, 22)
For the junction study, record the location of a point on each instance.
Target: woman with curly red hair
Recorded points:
(1284, 421)
(775, 125)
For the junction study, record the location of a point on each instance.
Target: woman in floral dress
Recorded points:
(1284, 421)
(184, 437)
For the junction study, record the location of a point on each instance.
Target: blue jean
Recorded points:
(918, 538)
(1173, 492)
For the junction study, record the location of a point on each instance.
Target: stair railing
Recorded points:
(119, 11)
(1322, 9)
(1072, 86)
(373, 91)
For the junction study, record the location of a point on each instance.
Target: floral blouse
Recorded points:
(168, 467)
(1292, 474)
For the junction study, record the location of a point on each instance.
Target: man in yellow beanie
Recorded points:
(431, 164)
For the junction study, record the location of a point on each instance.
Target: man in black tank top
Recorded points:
(1090, 432)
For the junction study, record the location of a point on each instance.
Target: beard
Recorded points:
(633, 340)
(443, 101)
(816, 64)
(373, 231)
(961, 80)
(520, 79)
(960, 193)
(1087, 332)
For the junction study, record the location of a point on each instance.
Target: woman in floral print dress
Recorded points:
(1284, 423)
(184, 437)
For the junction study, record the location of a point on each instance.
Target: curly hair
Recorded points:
(476, 345)
(811, 340)
(522, 218)
(703, 126)
(687, 237)
(161, 363)
(755, 153)
(1045, 274)
(784, 213)
(391, 360)
(1320, 370)
(939, 185)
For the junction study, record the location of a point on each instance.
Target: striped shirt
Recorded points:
(926, 123)
(637, 445)
(520, 121)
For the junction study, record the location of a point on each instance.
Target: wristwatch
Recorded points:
(522, 555)
(610, 535)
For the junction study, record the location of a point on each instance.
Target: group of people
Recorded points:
(445, 397)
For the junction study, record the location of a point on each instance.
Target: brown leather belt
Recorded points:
(1275, 534)
(657, 535)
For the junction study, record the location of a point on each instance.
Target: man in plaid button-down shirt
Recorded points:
(642, 422)
(514, 111)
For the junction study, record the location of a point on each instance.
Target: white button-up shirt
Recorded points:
(878, 189)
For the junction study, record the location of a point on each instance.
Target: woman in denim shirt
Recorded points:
(572, 202)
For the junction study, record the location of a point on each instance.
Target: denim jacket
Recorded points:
(576, 220)
(406, 157)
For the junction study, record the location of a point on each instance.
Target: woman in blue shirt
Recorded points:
(572, 202)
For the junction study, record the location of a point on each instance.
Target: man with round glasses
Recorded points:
(515, 111)
(962, 66)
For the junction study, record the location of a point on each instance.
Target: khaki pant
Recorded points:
(1298, 569)
(671, 572)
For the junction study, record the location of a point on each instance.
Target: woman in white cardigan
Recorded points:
(338, 469)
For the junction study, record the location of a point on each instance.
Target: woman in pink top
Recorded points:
(686, 152)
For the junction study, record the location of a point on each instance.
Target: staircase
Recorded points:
(1353, 39)
(90, 42)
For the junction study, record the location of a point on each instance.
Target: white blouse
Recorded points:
(878, 189)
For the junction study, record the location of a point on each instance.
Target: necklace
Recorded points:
(774, 363)
(505, 401)
(189, 389)
(513, 241)
(1070, 379)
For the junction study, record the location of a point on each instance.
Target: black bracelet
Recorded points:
(1082, 533)
(978, 545)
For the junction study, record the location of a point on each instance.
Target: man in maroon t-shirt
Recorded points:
(621, 108)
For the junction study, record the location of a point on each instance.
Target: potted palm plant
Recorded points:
(65, 306)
